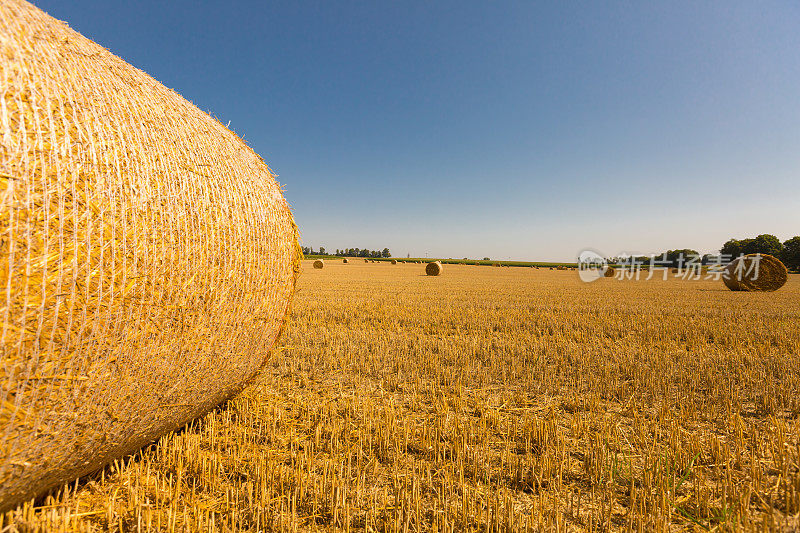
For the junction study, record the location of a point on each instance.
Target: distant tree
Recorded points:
(746, 246)
(676, 257)
(487, 259)
(765, 244)
(732, 248)
(791, 253)
(306, 250)
(709, 259)
(386, 253)
(321, 250)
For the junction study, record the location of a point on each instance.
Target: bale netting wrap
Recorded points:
(755, 272)
(147, 257)
(434, 268)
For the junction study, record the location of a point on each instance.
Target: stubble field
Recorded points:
(486, 399)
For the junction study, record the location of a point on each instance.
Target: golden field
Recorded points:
(485, 399)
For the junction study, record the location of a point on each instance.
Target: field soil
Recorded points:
(485, 399)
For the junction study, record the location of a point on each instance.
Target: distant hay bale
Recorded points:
(366, 260)
(434, 268)
(394, 261)
(319, 263)
(496, 264)
(675, 271)
(609, 272)
(147, 257)
(344, 261)
(755, 272)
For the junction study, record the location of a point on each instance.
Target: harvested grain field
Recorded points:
(484, 399)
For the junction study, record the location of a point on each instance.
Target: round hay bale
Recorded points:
(675, 271)
(755, 272)
(366, 260)
(319, 263)
(344, 261)
(609, 272)
(394, 261)
(434, 268)
(147, 257)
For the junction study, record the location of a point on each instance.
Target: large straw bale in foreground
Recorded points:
(434, 268)
(755, 272)
(319, 263)
(147, 257)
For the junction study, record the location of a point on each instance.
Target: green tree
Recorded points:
(747, 246)
(791, 253)
(764, 244)
(731, 249)
(709, 259)
(681, 257)
(386, 253)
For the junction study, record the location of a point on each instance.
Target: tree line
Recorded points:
(348, 252)
(787, 251)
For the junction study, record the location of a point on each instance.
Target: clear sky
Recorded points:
(514, 130)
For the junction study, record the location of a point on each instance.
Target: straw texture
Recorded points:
(434, 268)
(755, 272)
(147, 257)
(319, 263)
(609, 272)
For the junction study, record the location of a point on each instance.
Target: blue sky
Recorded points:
(514, 130)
